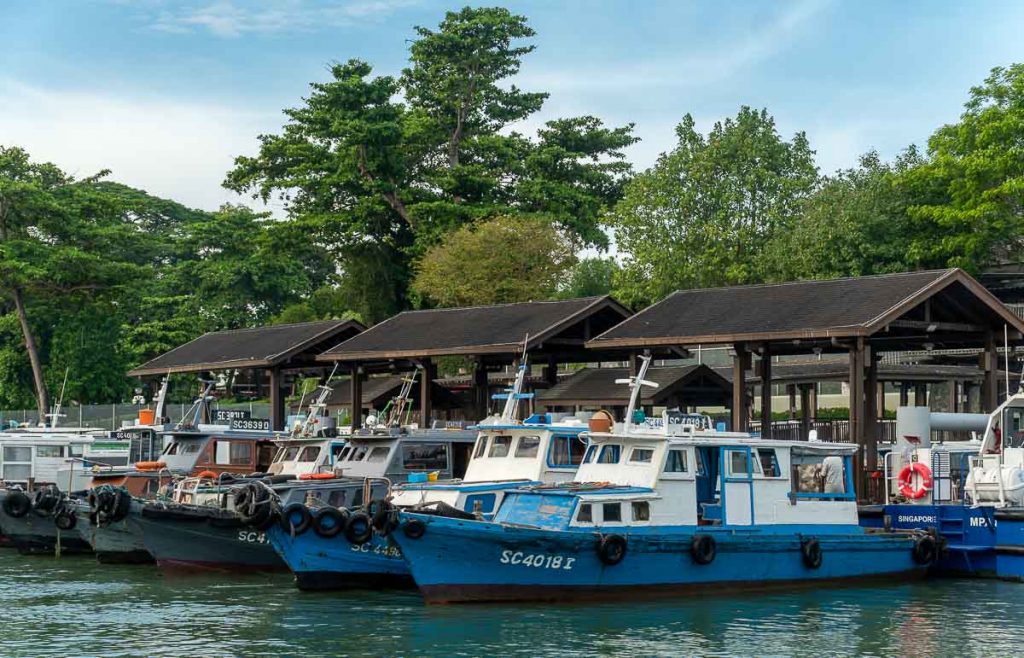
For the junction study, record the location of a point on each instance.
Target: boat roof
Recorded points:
(730, 439)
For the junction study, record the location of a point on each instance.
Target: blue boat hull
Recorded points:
(979, 541)
(320, 563)
(456, 561)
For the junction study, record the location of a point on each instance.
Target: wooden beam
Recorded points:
(481, 390)
(805, 410)
(921, 395)
(990, 384)
(740, 361)
(856, 381)
(870, 412)
(765, 371)
(276, 400)
(356, 399)
(929, 326)
(427, 376)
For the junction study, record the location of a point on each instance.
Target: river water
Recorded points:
(75, 607)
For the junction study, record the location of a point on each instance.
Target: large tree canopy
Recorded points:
(703, 213)
(388, 179)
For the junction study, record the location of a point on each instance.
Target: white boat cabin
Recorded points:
(40, 455)
(306, 456)
(704, 477)
(396, 454)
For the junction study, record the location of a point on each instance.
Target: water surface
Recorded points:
(75, 607)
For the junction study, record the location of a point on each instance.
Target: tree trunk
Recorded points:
(33, 355)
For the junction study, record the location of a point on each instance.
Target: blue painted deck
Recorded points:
(335, 563)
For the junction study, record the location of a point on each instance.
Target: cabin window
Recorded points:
(500, 446)
(527, 446)
(338, 498)
(739, 464)
(591, 451)
(171, 449)
(676, 462)
(481, 445)
(76, 450)
(426, 456)
(310, 454)
(610, 454)
(49, 451)
(290, 454)
(379, 454)
(641, 456)
(566, 451)
(241, 453)
(586, 514)
(17, 472)
(344, 453)
(278, 454)
(358, 453)
(336, 451)
(641, 510)
(17, 454)
(611, 512)
(769, 462)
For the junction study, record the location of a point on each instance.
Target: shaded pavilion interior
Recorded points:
(860, 317)
(684, 387)
(489, 337)
(276, 349)
(377, 392)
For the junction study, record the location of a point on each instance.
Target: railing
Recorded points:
(113, 416)
(838, 431)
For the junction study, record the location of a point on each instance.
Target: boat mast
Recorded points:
(513, 395)
(635, 385)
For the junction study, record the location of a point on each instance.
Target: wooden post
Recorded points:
(990, 384)
(765, 372)
(427, 376)
(356, 398)
(904, 394)
(551, 372)
(740, 363)
(870, 411)
(805, 410)
(276, 400)
(921, 394)
(791, 391)
(856, 380)
(954, 396)
(481, 389)
(814, 401)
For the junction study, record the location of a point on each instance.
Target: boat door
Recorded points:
(737, 473)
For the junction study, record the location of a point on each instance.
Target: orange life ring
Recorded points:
(906, 480)
(150, 466)
(207, 475)
(317, 476)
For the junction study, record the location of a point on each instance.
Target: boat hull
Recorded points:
(119, 542)
(979, 541)
(33, 534)
(189, 538)
(321, 563)
(459, 561)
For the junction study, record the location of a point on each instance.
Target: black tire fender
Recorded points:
(414, 528)
(329, 522)
(925, 550)
(611, 549)
(810, 552)
(359, 528)
(703, 549)
(17, 504)
(66, 519)
(295, 518)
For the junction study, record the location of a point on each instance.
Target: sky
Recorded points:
(166, 93)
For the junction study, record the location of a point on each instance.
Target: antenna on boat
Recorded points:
(316, 405)
(399, 405)
(635, 385)
(161, 400)
(55, 414)
(196, 410)
(513, 395)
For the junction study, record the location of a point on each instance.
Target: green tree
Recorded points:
(507, 259)
(702, 214)
(590, 277)
(970, 211)
(855, 223)
(387, 179)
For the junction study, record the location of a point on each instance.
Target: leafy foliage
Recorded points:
(507, 259)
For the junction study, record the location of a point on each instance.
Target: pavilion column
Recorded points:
(791, 391)
(634, 364)
(870, 411)
(805, 410)
(904, 394)
(954, 396)
(480, 389)
(427, 376)
(814, 401)
(856, 380)
(551, 372)
(740, 363)
(356, 401)
(765, 373)
(921, 394)
(990, 383)
(276, 400)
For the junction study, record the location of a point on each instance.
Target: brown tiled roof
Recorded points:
(498, 329)
(836, 308)
(260, 347)
(597, 385)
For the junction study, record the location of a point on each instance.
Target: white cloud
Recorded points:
(234, 18)
(169, 148)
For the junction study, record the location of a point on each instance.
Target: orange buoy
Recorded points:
(150, 466)
(317, 476)
(906, 480)
(207, 475)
